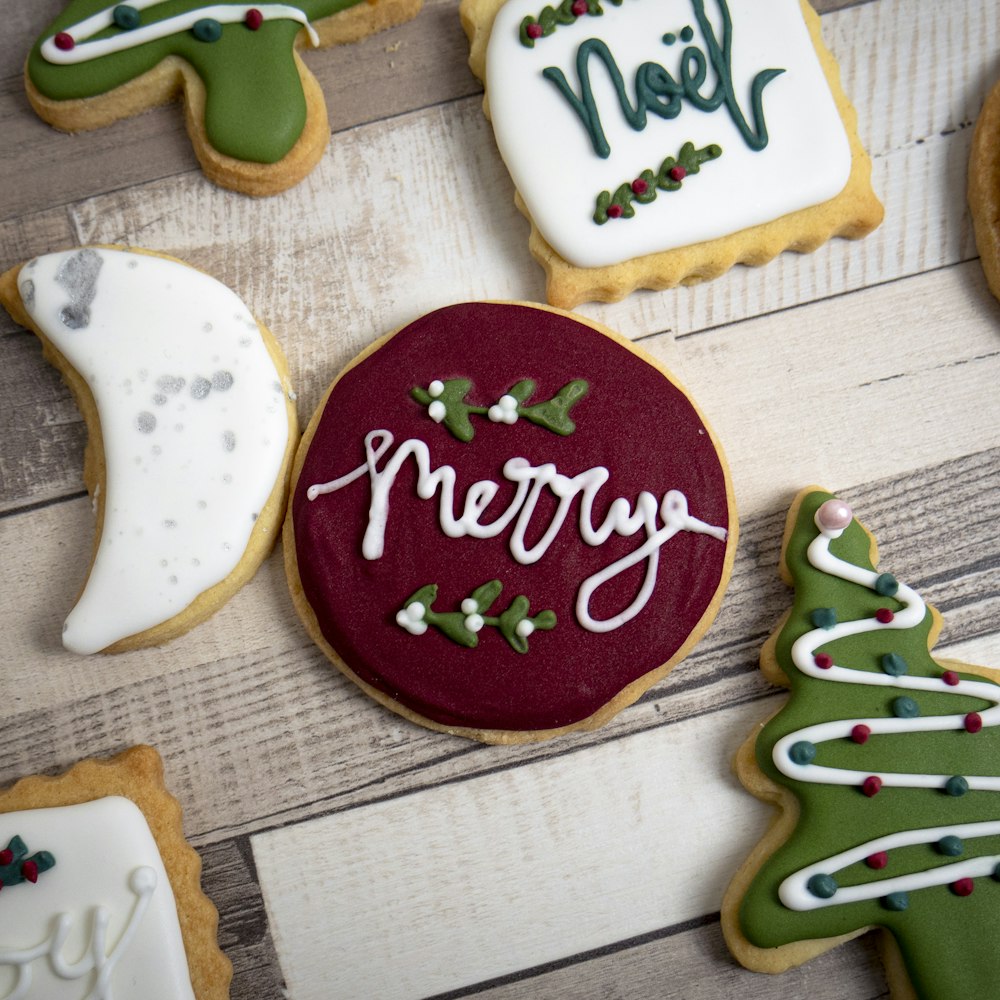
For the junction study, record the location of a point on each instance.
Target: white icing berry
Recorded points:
(524, 628)
(470, 606)
(412, 618)
(437, 411)
(474, 623)
(435, 388)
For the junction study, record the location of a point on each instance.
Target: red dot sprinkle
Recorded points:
(254, 19)
(614, 211)
(884, 615)
(963, 887)
(678, 173)
(579, 8)
(6, 857)
(973, 722)
(860, 733)
(878, 860)
(872, 785)
(639, 186)
(64, 41)
(950, 678)
(823, 660)
(30, 871)
(533, 31)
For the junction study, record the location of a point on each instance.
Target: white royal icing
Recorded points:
(99, 925)
(83, 31)
(793, 891)
(531, 481)
(193, 421)
(553, 164)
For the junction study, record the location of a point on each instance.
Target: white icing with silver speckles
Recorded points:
(194, 426)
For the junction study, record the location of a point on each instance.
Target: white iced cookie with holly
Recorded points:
(659, 142)
(191, 429)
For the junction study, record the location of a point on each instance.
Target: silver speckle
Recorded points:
(78, 275)
(253, 517)
(156, 450)
(28, 293)
(222, 380)
(207, 328)
(76, 317)
(133, 264)
(171, 579)
(169, 523)
(245, 341)
(171, 384)
(200, 387)
(145, 422)
(163, 563)
(195, 562)
(227, 478)
(228, 440)
(159, 399)
(202, 505)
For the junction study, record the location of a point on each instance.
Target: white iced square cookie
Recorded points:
(100, 892)
(658, 142)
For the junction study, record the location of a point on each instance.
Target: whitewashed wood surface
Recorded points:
(351, 854)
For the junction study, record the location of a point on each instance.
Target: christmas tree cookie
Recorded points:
(659, 142)
(254, 112)
(507, 522)
(101, 893)
(884, 764)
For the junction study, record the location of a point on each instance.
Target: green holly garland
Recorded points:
(514, 624)
(446, 404)
(16, 867)
(643, 189)
(533, 28)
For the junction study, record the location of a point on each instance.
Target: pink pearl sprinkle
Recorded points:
(860, 733)
(823, 660)
(878, 860)
(950, 678)
(64, 41)
(872, 785)
(834, 515)
(963, 887)
(254, 19)
(884, 615)
(973, 722)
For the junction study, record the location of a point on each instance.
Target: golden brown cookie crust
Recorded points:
(984, 187)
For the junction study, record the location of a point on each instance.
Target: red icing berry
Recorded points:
(884, 615)
(973, 722)
(6, 857)
(64, 41)
(533, 31)
(872, 785)
(950, 678)
(579, 8)
(823, 660)
(639, 186)
(254, 19)
(678, 173)
(30, 871)
(878, 860)
(614, 211)
(963, 887)
(860, 733)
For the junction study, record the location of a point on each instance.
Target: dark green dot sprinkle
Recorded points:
(126, 17)
(824, 618)
(207, 29)
(905, 708)
(886, 585)
(951, 846)
(897, 901)
(822, 886)
(802, 752)
(956, 786)
(894, 664)
(669, 38)
(687, 34)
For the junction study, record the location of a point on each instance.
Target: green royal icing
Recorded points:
(948, 942)
(255, 107)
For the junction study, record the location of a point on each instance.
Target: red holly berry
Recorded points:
(64, 41)
(950, 678)
(30, 871)
(254, 19)
(579, 7)
(614, 211)
(872, 785)
(6, 856)
(973, 722)
(823, 660)
(884, 615)
(639, 186)
(678, 173)
(963, 887)
(533, 31)
(878, 860)
(860, 733)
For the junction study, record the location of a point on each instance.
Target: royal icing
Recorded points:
(591, 108)
(897, 825)
(193, 422)
(514, 571)
(101, 924)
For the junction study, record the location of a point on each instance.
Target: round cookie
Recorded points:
(984, 187)
(191, 433)
(507, 522)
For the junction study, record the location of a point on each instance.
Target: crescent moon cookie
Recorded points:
(254, 112)
(507, 522)
(884, 765)
(191, 433)
(659, 142)
(101, 892)
(984, 187)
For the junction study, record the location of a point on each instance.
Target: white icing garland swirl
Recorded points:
(794, 891)
(85, 50)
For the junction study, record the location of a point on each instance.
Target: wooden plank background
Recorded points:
(892, 346)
